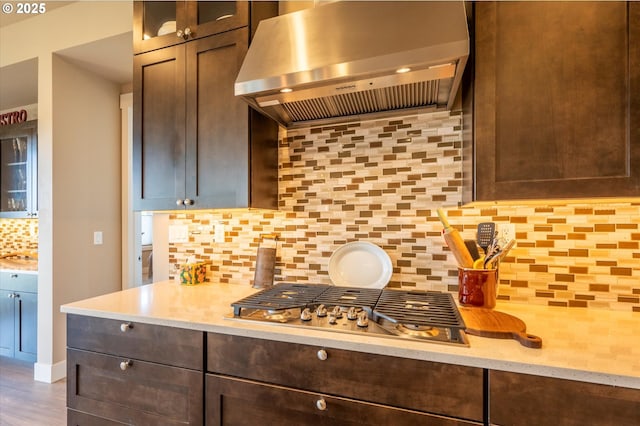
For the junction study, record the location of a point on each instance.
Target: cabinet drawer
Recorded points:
(241, 402)
(77, 418)
(143, 393)
(533, 400)
(400, 382)
(18, 281)
(154, 343)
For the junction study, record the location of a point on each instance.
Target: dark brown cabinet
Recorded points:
(120, 372)
(158, 24)
(533, 400)
(19, 170)
(236, 402)
(348, 382)
(557, 99)
(195, 144)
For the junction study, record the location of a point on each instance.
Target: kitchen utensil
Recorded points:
(455, 242)
(473, 249)
(477, 287)
(486, 234)
(498, 325)
(360, 264)
(265, 262)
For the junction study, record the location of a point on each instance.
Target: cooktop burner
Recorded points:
(417, 315)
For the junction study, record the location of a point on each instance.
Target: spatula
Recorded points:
(486, 234)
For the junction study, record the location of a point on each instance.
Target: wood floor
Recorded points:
(25, 402)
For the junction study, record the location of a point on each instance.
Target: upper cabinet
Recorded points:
(196, 145)
(158, 24)
(557, 100)
(18, 170)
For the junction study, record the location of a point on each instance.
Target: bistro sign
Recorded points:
(13, 117)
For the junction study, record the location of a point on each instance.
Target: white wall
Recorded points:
(86, 188)
(78, 161)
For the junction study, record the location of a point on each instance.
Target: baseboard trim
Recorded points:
(50, 373)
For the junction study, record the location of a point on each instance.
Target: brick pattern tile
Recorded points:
(382, 181)
(18, 235)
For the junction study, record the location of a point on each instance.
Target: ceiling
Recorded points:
(111, 58)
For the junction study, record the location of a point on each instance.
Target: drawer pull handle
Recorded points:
(322, 355)
(125, 364)
(321, 404)
(125, 326)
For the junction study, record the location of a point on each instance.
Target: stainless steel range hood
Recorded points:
(349, 58)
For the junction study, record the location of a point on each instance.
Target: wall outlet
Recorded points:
(178, 234)
(218, 232)
(506, 232)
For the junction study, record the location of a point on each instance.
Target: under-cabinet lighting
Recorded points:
(286, 90)
(146, 36)
(403, 70)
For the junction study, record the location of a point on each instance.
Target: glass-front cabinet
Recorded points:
(160, 24)
(18, 170)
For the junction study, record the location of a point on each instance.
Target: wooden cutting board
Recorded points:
(499, 325)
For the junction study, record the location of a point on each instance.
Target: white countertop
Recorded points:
(596, 346)
(24, 266)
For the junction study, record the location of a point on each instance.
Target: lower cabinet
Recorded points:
(236, 402)
(120, 372)
(350, 383)
(19, 315)
(521, 399)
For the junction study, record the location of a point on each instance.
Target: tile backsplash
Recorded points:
(382, 181)
(18, 235)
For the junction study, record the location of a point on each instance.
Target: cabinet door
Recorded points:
(158, 129)
(234, 402)
(26, 326)
(212, 17)
(557, 99)
(533, 400)
(132, 391)
(18, 170)
(7, 323)
(156, 24)
(218, 154)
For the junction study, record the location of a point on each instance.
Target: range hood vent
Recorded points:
(342, 59)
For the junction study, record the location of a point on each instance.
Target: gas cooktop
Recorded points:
(428, 316)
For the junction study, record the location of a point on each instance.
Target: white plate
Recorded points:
(167, 27)
(360, 264)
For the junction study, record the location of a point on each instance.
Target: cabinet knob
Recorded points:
(321, 404)
(188, 202)
(179, 202)
(322, 355)
(11, 295)
(16, 295)
(14, 276)
(125, 326)
(125, 364)
(184, 34)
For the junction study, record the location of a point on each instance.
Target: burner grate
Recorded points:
(349, 296)
(419, 308)
(281, 296)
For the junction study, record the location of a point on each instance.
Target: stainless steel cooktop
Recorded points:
(428, 316)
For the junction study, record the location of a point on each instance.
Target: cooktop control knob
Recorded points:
(352, 313)
(305, 315)
(363, 319)
(321, 311)
(332, 318)
(337, 312)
